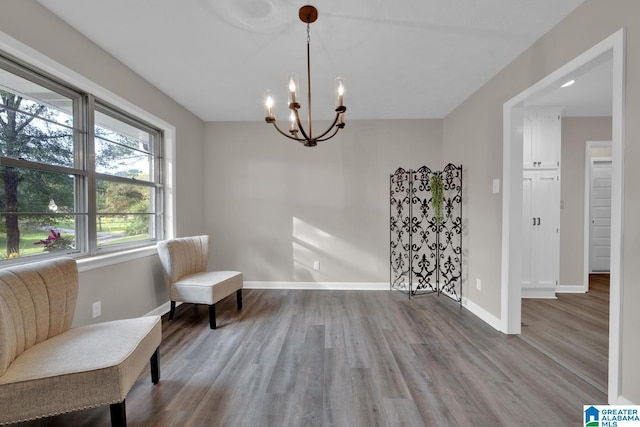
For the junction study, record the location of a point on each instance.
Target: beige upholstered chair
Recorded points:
(184, 261)
(47, 367)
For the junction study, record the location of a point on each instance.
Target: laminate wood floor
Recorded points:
(345, 358)
(574, 329)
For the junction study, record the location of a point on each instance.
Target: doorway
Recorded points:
(599, 231)
(512, 199)
(600, 209)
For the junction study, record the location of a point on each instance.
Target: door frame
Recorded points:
(510, 309)
(587, 206)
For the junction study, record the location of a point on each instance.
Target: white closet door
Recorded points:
(527, 230)
(540, 222)
(600, 233)
(546, 232)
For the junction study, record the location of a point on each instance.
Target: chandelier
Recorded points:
(308, 14)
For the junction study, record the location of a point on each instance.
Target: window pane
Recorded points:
(119, 229)
(34, 191)
(120, 160)
(36, 123)
(121, 198)
(36, 235)
(31, 203)
(37, 94)
(122, 149)
(124, 212)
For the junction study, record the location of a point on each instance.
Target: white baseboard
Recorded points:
(483, 314)
(163, 309)
(624, 401)
(570, 289)
(539, 293)
(340, 286)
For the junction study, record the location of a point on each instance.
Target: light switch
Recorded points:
(496, 186)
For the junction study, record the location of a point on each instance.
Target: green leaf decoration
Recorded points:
(437, 197)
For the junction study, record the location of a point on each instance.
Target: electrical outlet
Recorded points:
(96, 309)
(316, 265)
(478, 284)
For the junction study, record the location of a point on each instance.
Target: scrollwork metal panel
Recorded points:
(400, 213)
(426, 254)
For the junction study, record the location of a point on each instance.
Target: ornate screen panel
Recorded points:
(426, 239)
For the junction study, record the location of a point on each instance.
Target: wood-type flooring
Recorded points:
(345, 358)
(574, 329)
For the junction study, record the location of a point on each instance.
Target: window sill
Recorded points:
(99, 261)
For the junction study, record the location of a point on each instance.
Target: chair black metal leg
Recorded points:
(155, 366)
(239, 298)
(172, 311)
(118, 414)
(212, 316)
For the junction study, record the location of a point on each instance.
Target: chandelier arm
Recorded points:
(285, 134)
(318, 138)
(300, 127)
(335, 131)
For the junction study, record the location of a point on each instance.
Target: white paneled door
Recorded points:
(600, 216)
(540, 209)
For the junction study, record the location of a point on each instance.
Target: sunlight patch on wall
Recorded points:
(320, 256)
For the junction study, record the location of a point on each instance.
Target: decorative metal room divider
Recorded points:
(426, 248)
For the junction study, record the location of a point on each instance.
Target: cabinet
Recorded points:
(540, 233)
(541, 134)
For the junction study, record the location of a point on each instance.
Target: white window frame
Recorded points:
(32, 58)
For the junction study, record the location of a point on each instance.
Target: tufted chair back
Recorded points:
(183, 256)
(37, 302)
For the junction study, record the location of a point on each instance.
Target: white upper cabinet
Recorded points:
(541, 138)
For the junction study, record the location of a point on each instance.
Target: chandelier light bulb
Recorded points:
(340, 91)
(292, 81)
(268, 103)
(292, 120)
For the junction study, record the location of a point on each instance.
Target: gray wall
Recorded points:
(575, 132)
(131, 288)
(473, 136)
(256, 184)
(275, 206)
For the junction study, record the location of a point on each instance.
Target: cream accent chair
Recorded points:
(47, 367)
(184, 261)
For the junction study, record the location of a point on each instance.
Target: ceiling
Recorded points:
(591, 94)
(404, 59)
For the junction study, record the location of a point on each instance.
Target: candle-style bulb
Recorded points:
(340, 89)
(268, 103)
(292, 85)
(292, 120)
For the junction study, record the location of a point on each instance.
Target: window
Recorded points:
(77, 176)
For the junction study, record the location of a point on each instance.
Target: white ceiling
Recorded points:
(591, 94)
(401, 59)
